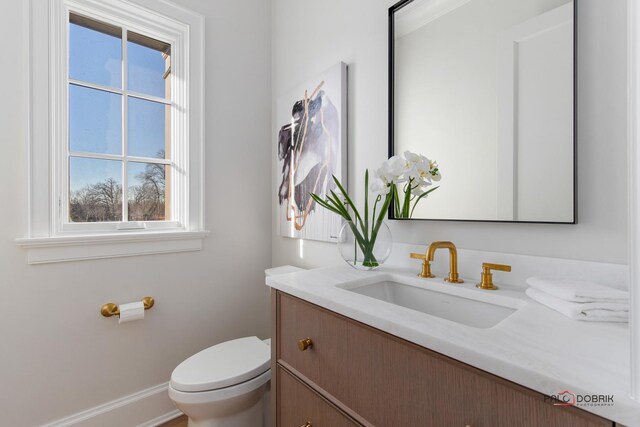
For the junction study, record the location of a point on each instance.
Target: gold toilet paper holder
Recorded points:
(111, 309)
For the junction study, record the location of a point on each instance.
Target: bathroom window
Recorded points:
(119, 126)
(116, 154)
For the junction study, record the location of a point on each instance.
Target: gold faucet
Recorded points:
(453, 259)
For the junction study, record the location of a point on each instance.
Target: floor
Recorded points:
(178, 422)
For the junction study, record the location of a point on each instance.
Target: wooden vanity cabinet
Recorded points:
(353, 375)
(300, 404)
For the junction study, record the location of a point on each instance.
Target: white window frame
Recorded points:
(50, 237)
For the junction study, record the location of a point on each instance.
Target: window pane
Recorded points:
(95, 52)
(148, 65)
(95, 190)
(148, 128)
(147, 192)
(95, 121)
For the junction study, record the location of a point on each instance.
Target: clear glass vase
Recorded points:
(365, 250)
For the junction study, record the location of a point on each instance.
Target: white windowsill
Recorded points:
(44, 250)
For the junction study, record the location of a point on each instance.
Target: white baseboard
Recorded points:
(146, 408)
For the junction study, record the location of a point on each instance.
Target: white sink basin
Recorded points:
(456, 308)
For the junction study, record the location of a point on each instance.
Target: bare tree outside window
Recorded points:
(97, 202)
(102, 201)
(147, 198)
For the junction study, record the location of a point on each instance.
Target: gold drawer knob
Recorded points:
(307, 424)
(303, 345)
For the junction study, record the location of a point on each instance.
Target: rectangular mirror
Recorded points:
(487, 89)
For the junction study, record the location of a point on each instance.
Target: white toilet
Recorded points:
(226, 385)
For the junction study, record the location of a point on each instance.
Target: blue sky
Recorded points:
(95, 123)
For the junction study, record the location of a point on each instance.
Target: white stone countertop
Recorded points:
(536, 347)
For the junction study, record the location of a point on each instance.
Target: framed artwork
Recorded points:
(312, 136)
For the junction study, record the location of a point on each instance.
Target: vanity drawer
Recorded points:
(388, 381)
(298, 404)
(300, 320)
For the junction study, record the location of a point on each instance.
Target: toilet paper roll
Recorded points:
(131, 311)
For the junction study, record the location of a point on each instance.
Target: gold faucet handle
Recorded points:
(426, 266)
(486, 279)
(487, 266)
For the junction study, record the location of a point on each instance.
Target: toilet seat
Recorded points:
(205, 397)
(232, 363)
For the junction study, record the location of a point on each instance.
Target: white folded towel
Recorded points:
(578, 290)
(590, 311)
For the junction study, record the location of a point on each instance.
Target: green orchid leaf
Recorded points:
(348, 199)
(366, 204)
(419, 198)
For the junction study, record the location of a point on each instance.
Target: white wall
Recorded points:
(58, 355)
(308, 36)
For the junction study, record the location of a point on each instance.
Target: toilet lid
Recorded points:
(222, 365)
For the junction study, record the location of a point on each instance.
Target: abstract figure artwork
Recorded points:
(311, 149)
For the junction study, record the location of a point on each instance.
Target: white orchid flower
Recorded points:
(418, 191)
(434, 171)
(398, 165)
(393, 170)
(382, 175)
(415, 159)
(422, 182)
(422, 172)
(379, 186)
(420, 166)
(411, 157)
(414, 171)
